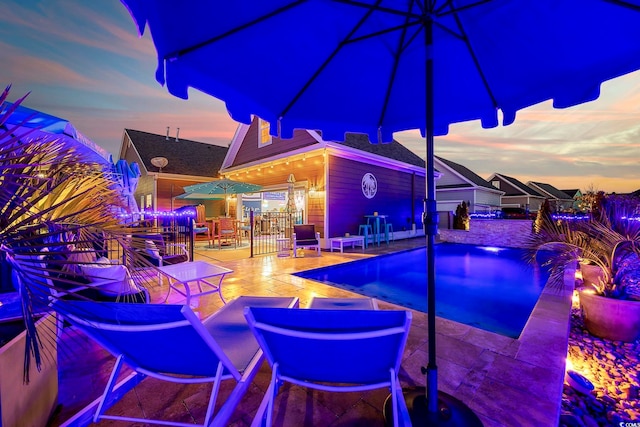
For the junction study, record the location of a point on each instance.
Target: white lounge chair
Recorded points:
(332, 350)
(170, 343)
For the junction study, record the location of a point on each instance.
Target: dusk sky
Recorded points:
(84, 62)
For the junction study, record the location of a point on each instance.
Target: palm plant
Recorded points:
(609, 239)
(53, 201)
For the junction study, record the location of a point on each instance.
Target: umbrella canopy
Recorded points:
(222, 186)
(199, 196)
(378, 67)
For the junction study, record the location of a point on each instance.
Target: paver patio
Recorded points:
(505, 381)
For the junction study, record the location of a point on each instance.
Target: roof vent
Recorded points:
(167, 137)
(177, 134)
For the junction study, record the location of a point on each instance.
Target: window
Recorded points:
(496, 184)
(264, 137)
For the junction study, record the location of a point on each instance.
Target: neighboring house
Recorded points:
(559, 201)
(458, 184)
(336, 183)
(576, 195)
(516, 194)
(188, 162)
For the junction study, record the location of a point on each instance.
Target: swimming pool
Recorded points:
(493, 289)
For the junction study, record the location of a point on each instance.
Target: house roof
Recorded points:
(550, 189)
(516, 188)
(185, 157)
(571, 193)
(467, 174)
(393, 150)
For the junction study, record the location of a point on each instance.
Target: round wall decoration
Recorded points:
(369, 185)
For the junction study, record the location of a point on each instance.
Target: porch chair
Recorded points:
(170, 343)
(226, 231)
(305, 236)
(331, 350)
(201, 227)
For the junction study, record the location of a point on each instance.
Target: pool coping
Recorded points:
(505, 381)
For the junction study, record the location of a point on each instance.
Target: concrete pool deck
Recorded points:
(505, 381)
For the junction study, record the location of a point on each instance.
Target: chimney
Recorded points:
(167, 137)
(177, 134)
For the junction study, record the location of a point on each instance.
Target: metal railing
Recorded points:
(270, 230)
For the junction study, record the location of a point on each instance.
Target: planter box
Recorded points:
(29, 405)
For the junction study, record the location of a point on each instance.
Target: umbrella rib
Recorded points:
(624, 3)
(176, 54)
(396, 61)
(379, 8)
(475, 60)
(327, 61)
(452, 10)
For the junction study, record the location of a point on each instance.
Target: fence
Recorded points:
(271, 229)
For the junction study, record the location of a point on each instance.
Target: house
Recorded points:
(559, 201)
(576, 195)
(517, 195)
(336, 183)
(458, 184)
(167, 164)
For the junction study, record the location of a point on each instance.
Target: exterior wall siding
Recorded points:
(502, 233)
(488, 198)
(250, 152)
(145, 186)
(347, 205)
(449, 178)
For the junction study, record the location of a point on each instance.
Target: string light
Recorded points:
(161, 214)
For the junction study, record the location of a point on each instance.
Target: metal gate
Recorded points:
(271, 231)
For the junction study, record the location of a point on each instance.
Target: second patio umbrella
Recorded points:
(222, 186)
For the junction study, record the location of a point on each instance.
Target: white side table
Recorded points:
(339, 242)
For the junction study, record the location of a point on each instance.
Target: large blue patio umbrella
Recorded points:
(381, 66)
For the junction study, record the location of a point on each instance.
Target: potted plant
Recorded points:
(49, 191)
(606, 246)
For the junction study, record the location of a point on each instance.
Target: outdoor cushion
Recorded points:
(305, 235)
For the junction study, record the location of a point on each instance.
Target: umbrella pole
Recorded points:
(427, 406)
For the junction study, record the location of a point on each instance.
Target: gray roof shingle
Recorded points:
(185, 157)
(467, 173)
(522, 187)
(393, 150)
(558, 194)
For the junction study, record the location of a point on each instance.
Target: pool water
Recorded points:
(494, 289)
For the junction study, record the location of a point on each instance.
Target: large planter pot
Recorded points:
(28, 405)
(609, 318)
(591, 274)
